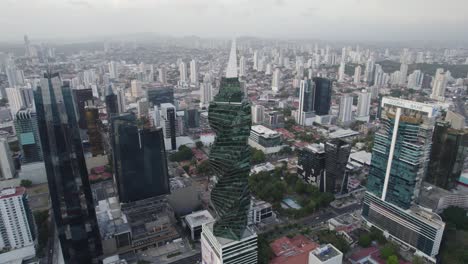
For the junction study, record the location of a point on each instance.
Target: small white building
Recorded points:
(195, 222)
(326, 254)
(265, 139)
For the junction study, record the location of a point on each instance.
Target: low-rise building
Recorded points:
(114, 229)
(259, 211)
(326, 254)
(292, 250)
(195, 222)
(265, 139)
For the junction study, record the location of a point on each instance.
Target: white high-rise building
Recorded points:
(142, 107)
(20, 98)
(415, 80)
(439, 84)
(183, 72)
(341, 72)
(162, 75)
(276, 81)
(15, 77)
(255, 60)
(193, 72)
(403, 73)
(113, 70)
(268, 69)
(218, 250)
(357, 75)
(257, 114)
(16, 220)
(156, 117)
(136, 88)
(7, 167)
(343, 54)
(345, 113)
(363, 107)
(242, 67)
(369, 71)
(306, 101)
(206, 91)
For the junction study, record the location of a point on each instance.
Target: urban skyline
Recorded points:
(234, 132)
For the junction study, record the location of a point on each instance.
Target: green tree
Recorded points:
(265, 253)
(26, 183)
(393, 259)
(364, 240)
(377, 235)
(258, 156)
(388, 250)
(184, 153)
(456, 216)
(186, 168)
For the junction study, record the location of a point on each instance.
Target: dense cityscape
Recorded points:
(157, 149)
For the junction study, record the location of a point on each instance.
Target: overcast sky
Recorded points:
(379, 20)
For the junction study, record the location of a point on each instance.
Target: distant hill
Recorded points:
(458, 71)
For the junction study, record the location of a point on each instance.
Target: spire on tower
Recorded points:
(231, 70)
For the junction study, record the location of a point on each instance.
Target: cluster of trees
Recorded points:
(455, 241)
(274, 187)
(456, 217)
(257, 156)
(42, 224)
(26, 183)
(184, 153)
(327, 236)
(265, 253)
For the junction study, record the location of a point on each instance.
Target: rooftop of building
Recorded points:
(260, 204)
(343, 133)
(326, 252)
(262, 167)
(199, 218)
(362, 157)
(430, 195)
(11, 192)
(110, 218)
(264, 131)
(316, 148)
(292, 250)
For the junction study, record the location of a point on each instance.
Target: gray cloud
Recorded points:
(81, 3)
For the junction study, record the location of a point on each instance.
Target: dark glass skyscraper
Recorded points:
(323, 89)
(81, 96)
(140, 163)
(111, 102)
(311, 163)
(449, 149)
(67, 175)
(94, 130)
(336, 157)
(229, 116)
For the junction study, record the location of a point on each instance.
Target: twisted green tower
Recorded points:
(229, 116)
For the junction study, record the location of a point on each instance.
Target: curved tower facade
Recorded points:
(229, 116)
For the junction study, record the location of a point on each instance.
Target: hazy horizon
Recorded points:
(341, 20)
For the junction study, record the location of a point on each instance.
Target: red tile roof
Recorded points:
(292, 250)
